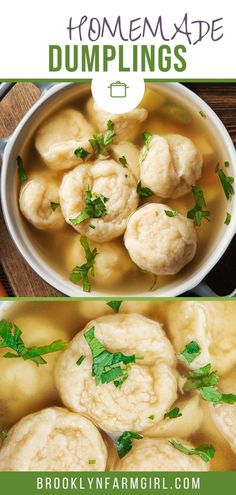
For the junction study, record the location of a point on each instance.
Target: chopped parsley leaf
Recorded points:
(123, 161)
(174, 413)
(226, 182)
(80, 360)
(190, 352)
(21, 169)
(100, 142)
(227, 219)
(197, 213)
(171, 213)
(202, 114)
(115, 305)
(205, 451)
(144, 192)
(151, 417)
(107, 366)
(82, 153)
(54, 205)
(10, 336)
(213, 395)
(226, 164)
(81, 272)
(147, 137)
(201, 377)
(95, 207)
(92, 461)
(124, 442)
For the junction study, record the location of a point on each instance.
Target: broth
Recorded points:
(56, 247)
(67, 318)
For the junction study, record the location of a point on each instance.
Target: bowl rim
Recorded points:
(51, 276)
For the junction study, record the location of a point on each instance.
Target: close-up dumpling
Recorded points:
(160, 243)
(53, 439)
(60, 135)
(109, 181)
(149, 388)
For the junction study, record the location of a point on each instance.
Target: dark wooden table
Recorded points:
(17, 276)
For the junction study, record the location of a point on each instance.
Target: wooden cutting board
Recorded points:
(16, 275)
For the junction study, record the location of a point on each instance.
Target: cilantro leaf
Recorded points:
(82, 153)
(171, 213)
(197, 213)
(21, 169)
(81, 272)
(54, 205)
(227, 219)
(226, 182)
(10, 336)
(190, 352)
(147, 137)
(95, 207)
(107, 366)
(201, 377)
(123, 161)
(205, 451)
(174, 413)
(115, 305)
(144, 192)
(124, 442)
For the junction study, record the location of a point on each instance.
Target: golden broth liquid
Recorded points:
(55, 246)
(65, 319)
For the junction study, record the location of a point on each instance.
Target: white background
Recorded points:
(28, 27)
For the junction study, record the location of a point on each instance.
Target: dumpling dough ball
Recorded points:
(150, 388)
(112, 263)
(58, 137)
(35, 204)
(224, 415)
(53, 439)
(24, 386)
(158, 243)
(172, 165)
(156, 454)
(131, 153)
(105, 178)
(184, 426)
(126, 125)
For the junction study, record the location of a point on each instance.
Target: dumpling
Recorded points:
(157, 454)
(158, 243)
(151, 384)
(224, 415)
(107, 179)
(53, 439)
(58, 137)
(131, 152)
(126, 125)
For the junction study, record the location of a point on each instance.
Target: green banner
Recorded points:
(109, 483)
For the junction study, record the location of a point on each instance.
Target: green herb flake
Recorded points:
(10, 336)
(82, 153)
(95, 207)
(100, 142)
(123, 161)
(92, 461)
(202, 114)
(80, 360)
(4, 435)
(226, 182)
(147, 137)
(108, 367)
(144, 192)
(124, 442)
(226, 164)
(190, 352)
(54, 206)
(151, 417)
(201, 377)
(81, 272)
(174, 413)
(213, 395)
(205, 451)
(227, 219)
(115, 305)
(92, 226)
(197, 213)
(21, 169)
(171, 213)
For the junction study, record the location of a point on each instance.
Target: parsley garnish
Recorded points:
(201, 377)
(151, 417)
(21, 169)
(227, 219)
(190, 352)
(95, 207)
(92, 461)
(171, 213)
(147, 137)
(213, 395)
(204, 451)
(99, 143)
(80, 360)
(124, 442)
(174, 413)
(123, 161)
(10, 336)
(115, 305)
(197, 213)
(144, 192)
(81, 272)
(226, 182)
(82, 153)
(226, 164)
(107, 366)
(54, 206)
(202, 114)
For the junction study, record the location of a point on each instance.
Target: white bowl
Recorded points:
(15, 224)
